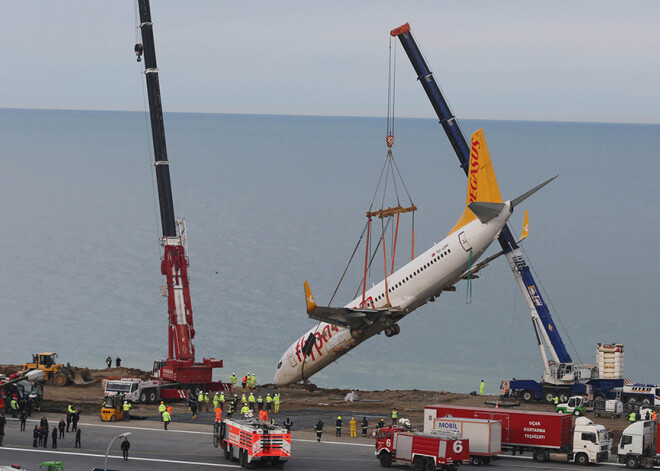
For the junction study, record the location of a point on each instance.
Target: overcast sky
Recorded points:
(560, 60)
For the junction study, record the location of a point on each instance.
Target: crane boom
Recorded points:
(543, 323)
(180, 365)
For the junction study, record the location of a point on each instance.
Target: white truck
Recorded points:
(643, 393)
(639, 445)
(143, 391)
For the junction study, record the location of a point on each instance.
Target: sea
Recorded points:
(273, 201)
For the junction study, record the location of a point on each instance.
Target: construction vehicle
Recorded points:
(576, 405)
(420, 450)
(561, 375)
(56, 373)
(548, 436)
(147, 391)
(647, 394)
(112, 409)
(640, 445)
(179, 370)
(25, 385)
(250, 440)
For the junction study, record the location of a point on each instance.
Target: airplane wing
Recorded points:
(345, 316)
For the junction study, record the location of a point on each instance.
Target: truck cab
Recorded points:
(125, 387)
(591, 442)
(637, 445)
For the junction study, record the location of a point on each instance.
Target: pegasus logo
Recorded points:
(310, 299)
(474, 169)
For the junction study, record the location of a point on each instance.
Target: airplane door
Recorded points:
(292, 358)
(464, 242)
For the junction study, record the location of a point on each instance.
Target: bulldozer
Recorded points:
(57, 373)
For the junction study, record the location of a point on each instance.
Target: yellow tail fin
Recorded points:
(309, 298)
(525, 229)
(482, 185)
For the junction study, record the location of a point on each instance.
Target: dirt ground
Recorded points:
(409, 403)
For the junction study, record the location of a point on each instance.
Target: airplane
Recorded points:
(421, 280)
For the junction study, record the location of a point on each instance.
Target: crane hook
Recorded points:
(138, 51)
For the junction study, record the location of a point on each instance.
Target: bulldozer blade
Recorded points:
(83, 377)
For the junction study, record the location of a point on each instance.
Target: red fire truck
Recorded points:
(423, 451)
(253, 441)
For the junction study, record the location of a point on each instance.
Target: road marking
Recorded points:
(93, 455)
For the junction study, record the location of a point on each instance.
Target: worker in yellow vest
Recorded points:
(395, 415)
(161, 409)
(251, 401)
(245, 410)
(276, 403)
(166, 419)
(269, 402)
(127, 409)
(353, 424)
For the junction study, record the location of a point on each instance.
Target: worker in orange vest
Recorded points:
(218, 414)
(263, 415)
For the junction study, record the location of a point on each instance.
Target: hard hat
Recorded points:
(339, 417)
(268, 394)
(161, 402)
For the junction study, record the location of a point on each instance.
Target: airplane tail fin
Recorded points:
(482, 184)
(309, 298)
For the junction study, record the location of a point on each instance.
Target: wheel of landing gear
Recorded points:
(396, 329)
(388, 332)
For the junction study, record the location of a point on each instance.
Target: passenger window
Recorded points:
(587, 436)
(626, 440)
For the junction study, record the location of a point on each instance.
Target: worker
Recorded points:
(193, 409)
(230, 410)
(218, 414)
(232, 380)
(14, 406)
(654, 416)
(61, 426)
(125, 446)
(74, 420)
(353, 424)
(395, 415)
(482, 387)
(166, 419)
(222, 398)
(206, 401)
(647, 416)
(243, 398)
(69, 415)
(35, 432)
(127, 410)
(555, 399)
(23, 419)
(245, 410)
(253, 381)
(200, 400)
(260, 402)
(54, 437)
(365, 426)
(251, 401)
(338, 424)
(263, 415)
(77, 444)
(216, 401)
(108, 361)
(44, 436)
(276, 403)
(244, 381)
(269, 402)
(319, 430)
(632, 417)
(3, 421)
(118, 361)
(381, 423)
(288, 424)
(161, 409)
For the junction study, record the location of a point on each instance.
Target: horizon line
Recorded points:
(331, 116)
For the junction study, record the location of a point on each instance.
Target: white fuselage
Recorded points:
(411, 286)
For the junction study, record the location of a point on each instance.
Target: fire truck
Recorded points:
(423, 451)
(250, 440)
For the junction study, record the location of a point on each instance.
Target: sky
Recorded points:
(514, 60)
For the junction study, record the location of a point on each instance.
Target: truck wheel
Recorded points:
(418, 463)
(632, 400)
(475, 460)
(60, 379)
(632, 462)
(485, 459)
(143, 397)
(430, 464)
(582, 459)
(152, 396)
(549, 397)
(113, 418)
(541, 456)
(646, 401)
(385, 459)
(527, 396)
(577, 413)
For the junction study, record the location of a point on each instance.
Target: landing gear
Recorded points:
(392, 330)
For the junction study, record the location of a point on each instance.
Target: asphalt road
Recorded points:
(188, 446)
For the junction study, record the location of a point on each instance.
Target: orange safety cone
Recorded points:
(497, 404)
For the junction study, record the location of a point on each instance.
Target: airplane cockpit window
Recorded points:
(279, 365)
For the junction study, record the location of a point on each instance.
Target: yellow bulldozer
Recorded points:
(57, 373)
